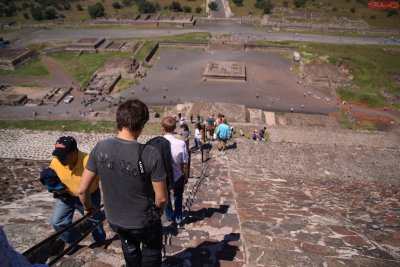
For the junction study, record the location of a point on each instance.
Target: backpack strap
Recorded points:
(140, 162)
(142, 173)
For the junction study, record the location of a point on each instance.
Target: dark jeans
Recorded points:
(175, 214)
(131, 239)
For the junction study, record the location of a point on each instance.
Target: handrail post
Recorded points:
(189, 163)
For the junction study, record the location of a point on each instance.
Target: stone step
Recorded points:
(255, 116)
(270, 118)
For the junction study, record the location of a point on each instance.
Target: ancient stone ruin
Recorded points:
(86, 44)
(11, 59)
(233, 71)
(105, 78)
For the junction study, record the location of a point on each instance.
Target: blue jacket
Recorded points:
(49, 178)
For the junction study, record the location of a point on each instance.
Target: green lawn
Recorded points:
(144, 50)
(32, 68)
(125, 83)
(83, 67)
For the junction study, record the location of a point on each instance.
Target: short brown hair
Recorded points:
(169, 124)
(132, 115)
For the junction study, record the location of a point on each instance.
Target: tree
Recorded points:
(238, 2)
(9, 11)
(146, 7)
(299, 3)
(187, 9)
(212, 5)
(198, 9)
(36, 13)
(116, 5)
(96, 10)
(175, 6)
(50, 13)
(265, 5)
(25, 5)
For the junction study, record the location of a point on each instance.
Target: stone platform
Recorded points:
(309, 197)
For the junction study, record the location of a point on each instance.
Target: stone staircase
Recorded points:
(241, 114)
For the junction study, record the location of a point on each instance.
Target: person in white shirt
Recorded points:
(180, 157)
(197, 137)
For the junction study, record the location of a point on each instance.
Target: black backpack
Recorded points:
(163, 146)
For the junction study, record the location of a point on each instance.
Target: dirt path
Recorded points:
(58, 75)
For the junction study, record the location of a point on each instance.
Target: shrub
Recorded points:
(187, 9)
(299, 3)
(334, 9)
(352, 10)
(265, 5)
(66, 5)
(175, 6)
(116, 5)
(238, 2)
(213, 5)
(25, 5)
(198, 9)
(96, 10)
(26, 16)
(146, 7)
(79, 7)
(9, 11)
(36, 13)
(391, 12)
(50, 13)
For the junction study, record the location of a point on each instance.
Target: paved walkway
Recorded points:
(300, 200)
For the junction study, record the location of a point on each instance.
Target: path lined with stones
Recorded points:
(316, 205)
(300, 200)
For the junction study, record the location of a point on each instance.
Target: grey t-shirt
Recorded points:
(125, 192)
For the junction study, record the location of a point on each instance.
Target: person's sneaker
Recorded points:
(101, 244)
(172, 224)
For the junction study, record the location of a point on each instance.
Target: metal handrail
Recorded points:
(28, 252)
(72, 247)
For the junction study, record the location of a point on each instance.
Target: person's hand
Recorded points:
(61, 192)
(88, 211)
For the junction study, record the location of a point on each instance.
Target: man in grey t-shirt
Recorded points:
(130, 189)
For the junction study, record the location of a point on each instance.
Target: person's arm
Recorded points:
(184, 168)
(84, 190)
(161, 195)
